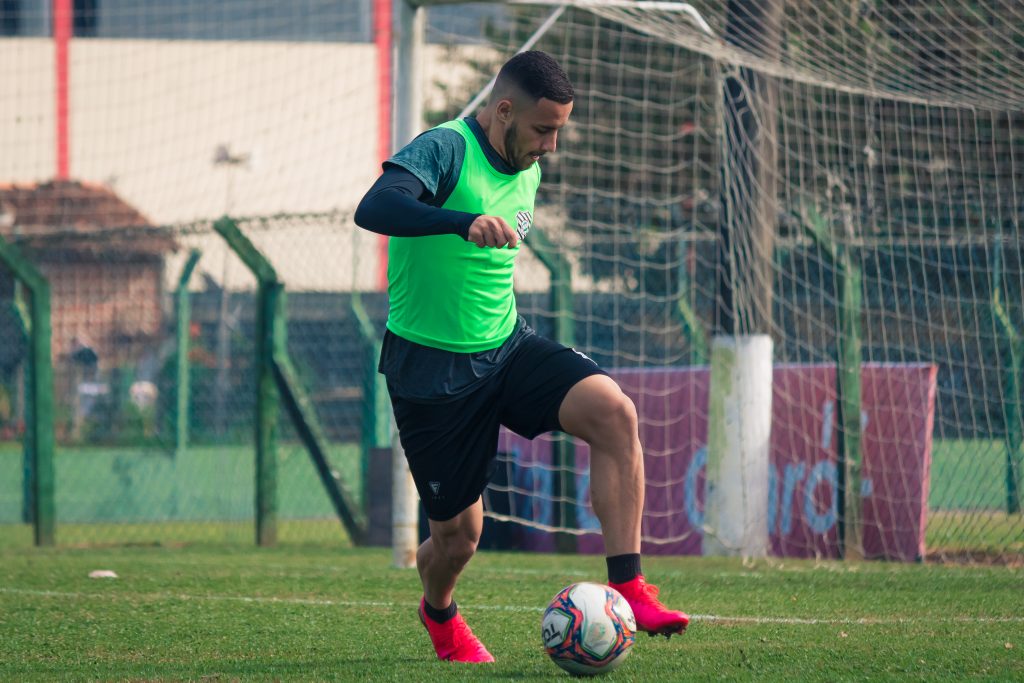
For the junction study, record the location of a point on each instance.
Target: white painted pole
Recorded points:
(646, 5)
(404, 510)
(408, 123)
(739, 434)
(410, 23)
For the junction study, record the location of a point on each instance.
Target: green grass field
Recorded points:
(968, 474)
(322, 611)
(197, 601)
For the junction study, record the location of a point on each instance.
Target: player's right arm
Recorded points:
(397, 205)
(406, 200)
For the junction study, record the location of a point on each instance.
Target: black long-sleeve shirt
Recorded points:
(398, 205)
(407, 198)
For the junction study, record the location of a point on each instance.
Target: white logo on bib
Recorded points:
(524, 219)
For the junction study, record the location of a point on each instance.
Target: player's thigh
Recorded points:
(540, 376)
(450, 448)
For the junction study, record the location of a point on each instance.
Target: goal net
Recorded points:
(174, 115)
(868, 154)
(128, 129)
(889, 137)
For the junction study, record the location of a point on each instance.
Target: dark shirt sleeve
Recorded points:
(406, 200)
(435, 157)
(397, 205)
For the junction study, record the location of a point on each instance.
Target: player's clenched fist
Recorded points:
(492, 231)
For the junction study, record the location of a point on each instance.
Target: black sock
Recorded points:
(622, 568)
(440, 615)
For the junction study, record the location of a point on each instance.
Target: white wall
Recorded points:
(147, 115)
(26, 109)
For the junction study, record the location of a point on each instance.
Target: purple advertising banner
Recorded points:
(897, 417)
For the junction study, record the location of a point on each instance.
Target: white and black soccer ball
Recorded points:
(588, 629)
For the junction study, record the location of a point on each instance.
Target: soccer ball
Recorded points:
(588, 629)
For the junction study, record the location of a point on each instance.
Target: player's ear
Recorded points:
(504, 110)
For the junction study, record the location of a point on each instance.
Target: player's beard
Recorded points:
(520, 162)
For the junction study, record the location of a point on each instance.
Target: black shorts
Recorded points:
(451, 446)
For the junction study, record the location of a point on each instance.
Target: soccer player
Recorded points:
(460, 362)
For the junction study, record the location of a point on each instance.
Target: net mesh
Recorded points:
(178, 115)
(895, 129)
(128, 467)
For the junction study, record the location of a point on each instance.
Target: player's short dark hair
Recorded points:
(538, 75)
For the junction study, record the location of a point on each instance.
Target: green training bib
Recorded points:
(448, 293)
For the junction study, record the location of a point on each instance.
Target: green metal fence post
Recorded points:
(39, 395)
(692, 327)
(268, 301)
(182, 364)
(300, 408)
(1012, 410)
(848, 357)
(563, 449)
(1014, 428)
(24, 317)
(848, 390)
(269, 311)
(376, 432)
(276, 374)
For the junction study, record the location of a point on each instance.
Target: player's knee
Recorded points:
(456, 548)
(459, 553)
(614, 417)
(626, 413)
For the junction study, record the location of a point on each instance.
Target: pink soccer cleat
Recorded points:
(651, 616)
(453, 641)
